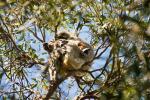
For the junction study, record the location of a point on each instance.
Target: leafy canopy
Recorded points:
(118, 30)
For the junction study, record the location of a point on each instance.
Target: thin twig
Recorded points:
(35, 35)
(104, 67)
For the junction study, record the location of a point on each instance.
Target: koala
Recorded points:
(68, 53)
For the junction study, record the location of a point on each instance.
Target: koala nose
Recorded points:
(85, 51)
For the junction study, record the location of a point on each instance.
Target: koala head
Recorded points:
(78, 53)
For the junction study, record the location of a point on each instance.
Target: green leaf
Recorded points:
(33, 86)
(1, 11)
(21, 37)
(1, 75)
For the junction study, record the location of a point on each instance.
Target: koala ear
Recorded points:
(62, 35)
(47, 47)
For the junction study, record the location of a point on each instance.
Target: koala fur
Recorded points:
(68, 53)
(75, 56)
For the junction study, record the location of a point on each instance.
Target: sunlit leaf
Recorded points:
(1, 11)
(33, 86)
(21, 37)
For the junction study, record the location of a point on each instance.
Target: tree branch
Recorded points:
(52, 88)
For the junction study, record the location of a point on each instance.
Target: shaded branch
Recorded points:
(90, 97)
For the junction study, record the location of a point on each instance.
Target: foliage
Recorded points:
(120, 35)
